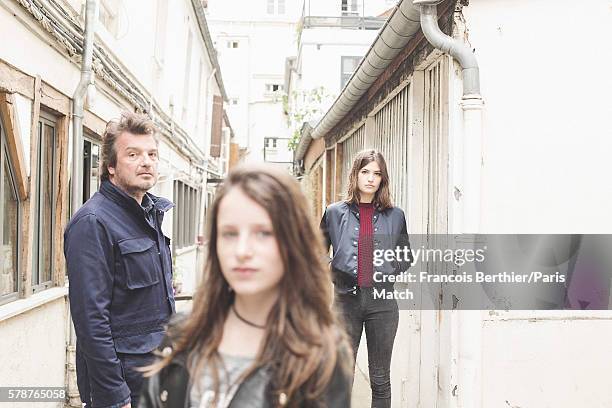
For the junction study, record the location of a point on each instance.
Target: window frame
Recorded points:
(87, 138)
(5, 159)
(343, 74)
(185, 228)
(45, 118)
(270, 88)
(349, 8)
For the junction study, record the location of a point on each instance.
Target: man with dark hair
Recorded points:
(120, 268)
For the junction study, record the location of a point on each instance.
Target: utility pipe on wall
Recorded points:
(78, 102)
(469, 347)
(78, 109)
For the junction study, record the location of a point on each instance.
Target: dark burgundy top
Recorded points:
(365, 250)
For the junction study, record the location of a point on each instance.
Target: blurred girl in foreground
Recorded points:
(262, 332)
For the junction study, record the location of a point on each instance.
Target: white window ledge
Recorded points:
(21, 306)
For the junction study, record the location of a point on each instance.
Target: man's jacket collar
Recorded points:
(119, 196)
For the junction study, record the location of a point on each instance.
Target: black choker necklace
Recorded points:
(242, 319)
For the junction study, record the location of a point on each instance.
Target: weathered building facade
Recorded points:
(157, 60)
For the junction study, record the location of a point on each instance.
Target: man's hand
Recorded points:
(128, 405)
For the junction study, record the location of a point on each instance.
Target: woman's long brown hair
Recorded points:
(302, 339)
(382, 197)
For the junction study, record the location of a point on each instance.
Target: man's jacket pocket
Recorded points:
(141, 262)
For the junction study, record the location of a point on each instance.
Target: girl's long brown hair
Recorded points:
(302, 340)
(382, 197)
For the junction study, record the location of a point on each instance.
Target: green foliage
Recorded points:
(304, 106)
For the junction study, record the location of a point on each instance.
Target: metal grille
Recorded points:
(390, 137)
(350, 147)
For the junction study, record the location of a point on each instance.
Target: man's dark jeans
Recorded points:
(380, 318)
(133, 378)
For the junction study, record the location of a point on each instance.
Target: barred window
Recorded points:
(186, 211)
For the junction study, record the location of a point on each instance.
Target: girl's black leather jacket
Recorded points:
(170, 388)
(340, 227)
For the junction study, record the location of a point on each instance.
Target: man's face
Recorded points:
(136, 168)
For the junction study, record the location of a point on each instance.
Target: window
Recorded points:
(232, 44)
(275, 6)
(44, 196)
(270, 142)
(349, 8)
(348, 66)
(9, 208)
(108, 16)
(233, 101)
(186, 210)
(91, 163)
(273, 87)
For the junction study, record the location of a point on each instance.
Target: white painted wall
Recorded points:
(551, 360)
(33, 347)
(367, 8)
(255, 11)
(321, 49)
(545, 165)
(547, 135)
(41, 331)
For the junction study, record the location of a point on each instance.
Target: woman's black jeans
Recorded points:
(380, 318)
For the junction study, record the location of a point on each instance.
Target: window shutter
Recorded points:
(217, 124)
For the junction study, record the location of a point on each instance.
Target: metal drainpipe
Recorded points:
(78, 102)
(469, 347)
(78, 107)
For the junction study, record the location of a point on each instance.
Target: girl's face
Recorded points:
(247, 247)
(368, 179)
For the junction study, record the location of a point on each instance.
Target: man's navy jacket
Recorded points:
(120, 273)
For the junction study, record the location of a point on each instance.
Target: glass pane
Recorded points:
(192, 216)
(349, 64)
(94, 184)
(36, 233)
(281, 6)
(175, 215)
(270, 6)
(86, 169)
(181, 212)
(185, 216)
(46, 204)
(8, 255)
